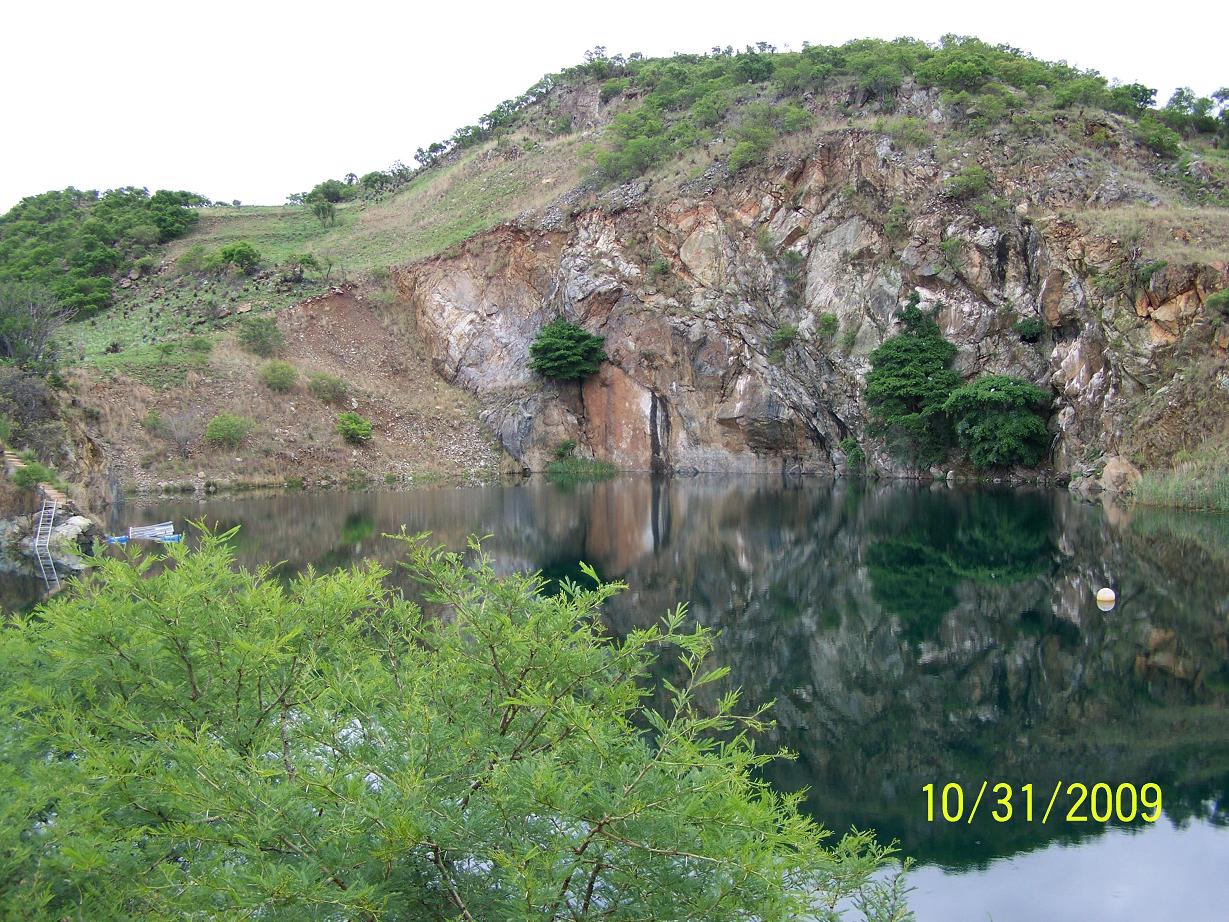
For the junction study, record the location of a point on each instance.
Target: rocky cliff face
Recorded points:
(739, 312)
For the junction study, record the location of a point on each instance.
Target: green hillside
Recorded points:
(156, 280)
(616, 118)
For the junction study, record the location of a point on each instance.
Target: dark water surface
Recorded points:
(909, 636)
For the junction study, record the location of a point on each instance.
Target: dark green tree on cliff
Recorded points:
(999, 421)
(910, 379)
(565, 351)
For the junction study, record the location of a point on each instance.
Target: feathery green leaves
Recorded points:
(183, 738)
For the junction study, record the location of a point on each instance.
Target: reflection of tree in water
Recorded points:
(926, 636)
(1026, 681)
(358, 527)
(934, 541)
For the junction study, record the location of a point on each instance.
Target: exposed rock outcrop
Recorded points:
(1120, 476)
(714, 304)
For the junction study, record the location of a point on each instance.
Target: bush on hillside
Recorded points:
(33, 410)
(659, 268)
(260, 336)
(30, 475)
(999, 421)
(325, 211)
(228, 429)
(332, 191)
(144, 234)
(744, 154)
(791, 118)
(279, 376)
(193, 259)
(784, 336)
(798, 74)
(896, 223)
(855, 457)
(759, 126)
(376, 179)
(327, 388)
(354, 428)
(31, 319)
(240, 254)
(304, 260)
(612, 88)
(969, 183)
(1158, 138)
(952, 249)
(637, 141)
(180, 430)
(565, 351)
(296, 266)
(72, 242)
(1131, 99)
(706, 111)
(1219, 302)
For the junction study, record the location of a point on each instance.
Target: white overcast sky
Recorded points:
(254, 100)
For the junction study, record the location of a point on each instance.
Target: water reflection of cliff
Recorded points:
(908, 636)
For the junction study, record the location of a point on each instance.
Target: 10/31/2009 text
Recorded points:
(1082, 803)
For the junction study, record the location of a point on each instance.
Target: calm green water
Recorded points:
(909, 636)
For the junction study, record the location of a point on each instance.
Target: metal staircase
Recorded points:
(42, 541)
(46, 521)
(46, 568)
(52, 500)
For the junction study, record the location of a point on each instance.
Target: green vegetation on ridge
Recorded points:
(74, 242)
(684, 98)
(428, 213)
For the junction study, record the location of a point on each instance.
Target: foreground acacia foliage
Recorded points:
(196, 741)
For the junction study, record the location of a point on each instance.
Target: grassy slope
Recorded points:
(489, 185)
(1198, 480)
(166, 358)
(1174, 231)
(159, 315)
(437, 209)
(163, 351)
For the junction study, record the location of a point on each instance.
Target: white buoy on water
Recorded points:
(1106, 599)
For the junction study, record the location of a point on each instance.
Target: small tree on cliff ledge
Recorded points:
(1000, 421)
(910, 378)
(566, 352)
